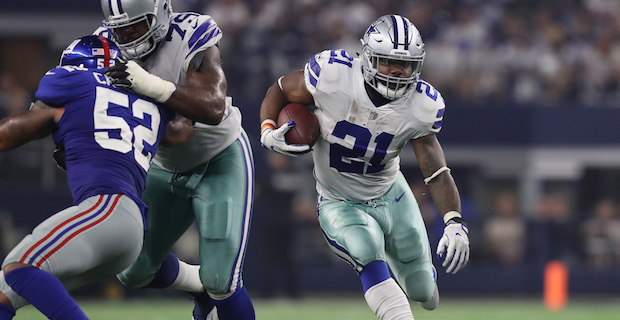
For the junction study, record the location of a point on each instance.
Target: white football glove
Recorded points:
(274, 140)
(131, 75)
(453, 246)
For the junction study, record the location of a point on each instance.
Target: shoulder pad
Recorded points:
(198, 32)
(327, 67)
(430, 105)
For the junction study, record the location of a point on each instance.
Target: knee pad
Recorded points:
(132, 282)
(214, 284)
(419, 286)
(138, 275)
(408, 246)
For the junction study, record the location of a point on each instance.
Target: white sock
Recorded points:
(188, 278)
(388, 301)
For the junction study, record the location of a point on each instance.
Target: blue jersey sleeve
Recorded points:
(61, 85)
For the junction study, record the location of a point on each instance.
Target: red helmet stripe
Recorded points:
(106, 51)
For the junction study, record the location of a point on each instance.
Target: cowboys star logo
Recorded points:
(371, 30)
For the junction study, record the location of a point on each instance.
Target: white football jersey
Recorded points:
(357, 154)
(190, 34)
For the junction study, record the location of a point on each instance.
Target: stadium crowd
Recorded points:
(502, 53)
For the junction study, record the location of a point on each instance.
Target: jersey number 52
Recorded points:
(129, 139)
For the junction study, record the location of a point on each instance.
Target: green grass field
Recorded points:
(353, 309)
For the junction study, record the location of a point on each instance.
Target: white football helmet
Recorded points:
(123, 13)
(392, 39)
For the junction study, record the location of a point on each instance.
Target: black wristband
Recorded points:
(457, 220)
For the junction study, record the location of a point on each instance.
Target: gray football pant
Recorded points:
(389, 228)
(82, 244)
(218, 195)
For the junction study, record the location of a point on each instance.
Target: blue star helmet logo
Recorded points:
(371, 29)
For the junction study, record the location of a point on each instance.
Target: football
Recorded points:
(306, 129)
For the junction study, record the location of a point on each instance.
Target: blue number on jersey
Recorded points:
(362, 138)
(175, 27)
(336, 56)
(113, 132)
(433, 95)
(198, 33)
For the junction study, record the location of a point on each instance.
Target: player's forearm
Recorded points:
(199, 104)
(273, 102)
(8, 138)
(445, 194)
(16, 131)
(203, 96)
(288, 89)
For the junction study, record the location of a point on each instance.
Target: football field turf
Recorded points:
(334, 308)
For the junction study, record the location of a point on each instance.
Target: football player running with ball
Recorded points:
(209, 178)
(368, 109)
(109, 137)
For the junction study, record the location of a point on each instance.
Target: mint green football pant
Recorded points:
(218, 195)
(389, 228)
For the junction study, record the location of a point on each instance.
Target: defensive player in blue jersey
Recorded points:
(109, 137)
(209, 179)
(368, 109)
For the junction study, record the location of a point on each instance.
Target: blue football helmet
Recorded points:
(123, 13)
(392, 39)
(93, 52)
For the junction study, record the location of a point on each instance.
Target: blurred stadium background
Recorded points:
(531, 132)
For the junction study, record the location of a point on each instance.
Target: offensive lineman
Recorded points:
(109, 137)
(209, 178)
(368, 108)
